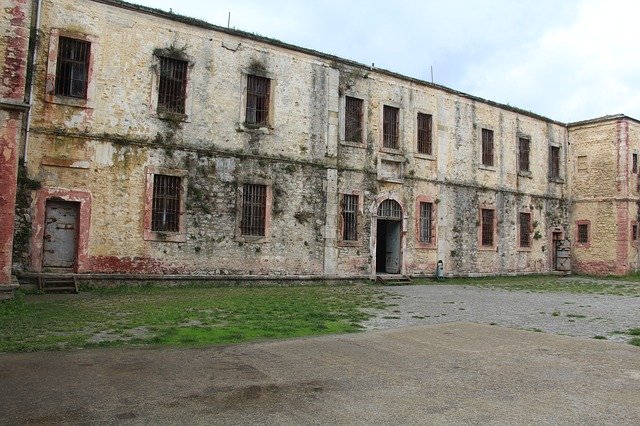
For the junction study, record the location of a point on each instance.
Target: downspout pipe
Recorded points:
(33, 55)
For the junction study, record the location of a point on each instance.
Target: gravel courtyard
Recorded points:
(583, 315)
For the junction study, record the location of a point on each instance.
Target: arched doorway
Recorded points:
(389, 237)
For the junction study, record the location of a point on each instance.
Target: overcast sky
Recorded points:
(569, 60)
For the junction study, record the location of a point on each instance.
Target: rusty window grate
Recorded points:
(634, 232)
(258, 89)
(353, 119)
(554, 162)
(172, 88)
(487, 147)
(487, 227)
(523, 155)
(426, 222)
(166, 203)
(583, 233)
(634, 167)
(424, 134)
(390, 209)
(350, 217)
(72, 67)
(390, 127)
(525, 229)
(254, 209)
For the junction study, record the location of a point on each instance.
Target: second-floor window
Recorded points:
(72, 67)
(424, 134)
(390, 127)
(487, 147)
(353, 119)
(554, 162)
(258, 91)
(523, 155)
(172, 87)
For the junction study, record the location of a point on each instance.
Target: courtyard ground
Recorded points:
(456, 373)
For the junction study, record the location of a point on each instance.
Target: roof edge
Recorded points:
(604, 118)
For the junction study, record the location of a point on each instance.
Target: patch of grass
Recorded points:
(188, 315)
(548, 283)
(555, 313)
(599, 337)
(635, 341)
(576, 316)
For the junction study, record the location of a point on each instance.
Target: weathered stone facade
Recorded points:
(96, 150)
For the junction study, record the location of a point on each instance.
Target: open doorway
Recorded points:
(389, 238)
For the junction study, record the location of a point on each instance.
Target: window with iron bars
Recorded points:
(172, 87)
(523, 155)
(390, 127)
(487, 147)
(258, 91)
(583, 233)
(390, 209)
(254, 209)
(486, 231)
(426, 223)
(165, 214)
(525, 229)
(554, 162)
(353, 119)
(349, 217)
(424, 134)
(634, 232)
(634, 166)
(72, 68)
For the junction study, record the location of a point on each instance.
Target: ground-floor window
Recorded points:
(525, 230)
(487, 227)
(254, 209)
(349, 217)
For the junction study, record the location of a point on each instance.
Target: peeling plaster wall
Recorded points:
(604, 192)
(14, 44)
(105, 148)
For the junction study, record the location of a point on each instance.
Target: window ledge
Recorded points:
(67, 100)
(556, 180)
(343, 243)
(393, 151)
(254, 128)
(175, 117)
(525, 174)
(429, 157)
(487, 248)
(252, 239)
(487, 168)
(165, 237)
(525, 249)
(353, 144)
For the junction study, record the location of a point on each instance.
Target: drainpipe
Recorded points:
(29, 93)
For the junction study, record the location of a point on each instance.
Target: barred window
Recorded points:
(487, 147)
(634, 167)
(424, 134)
(172, 87)
(634, 232)
(72, 68)
(254, 209)
(350, 217)
(165, 214)
(487, 216)
(523, 155)
(525, 229)
(390, 209)
(554, 162)
(390, 127)
(583, 233)
(426, 222)
(258, 90)
(353, 119)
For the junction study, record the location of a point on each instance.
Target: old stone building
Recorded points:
(142, 142)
